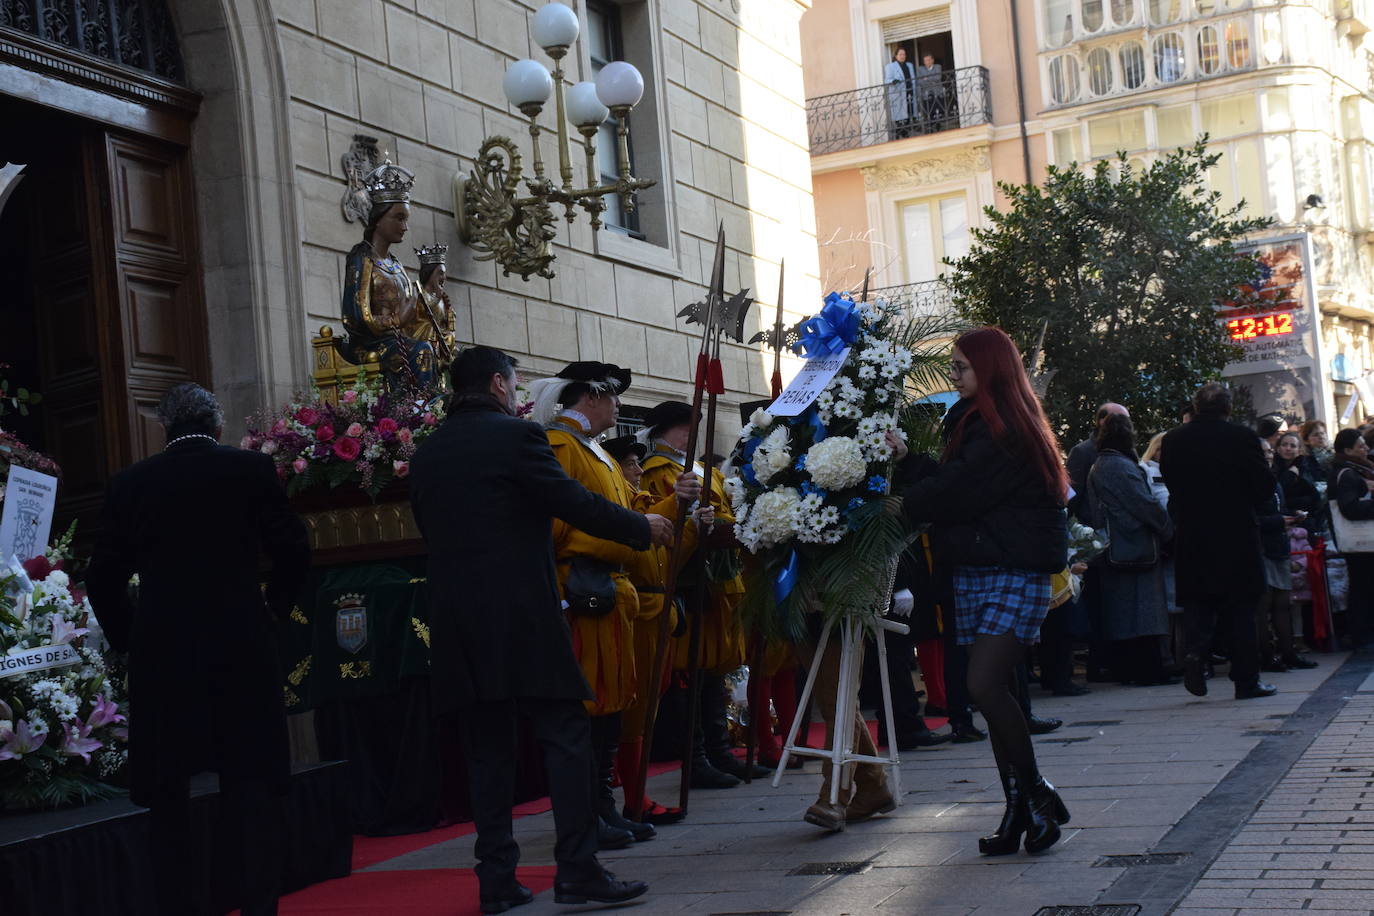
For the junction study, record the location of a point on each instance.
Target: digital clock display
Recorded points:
(1257, 326)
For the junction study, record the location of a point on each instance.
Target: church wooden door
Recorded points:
(118, 300)
(154, 283)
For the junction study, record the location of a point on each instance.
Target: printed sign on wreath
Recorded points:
(815, 374)
(27, 518)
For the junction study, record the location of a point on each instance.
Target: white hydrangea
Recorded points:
(836, 463)
(770, 520)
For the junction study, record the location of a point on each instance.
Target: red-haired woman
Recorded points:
(996, 505)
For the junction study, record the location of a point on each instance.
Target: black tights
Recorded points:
(992, 662)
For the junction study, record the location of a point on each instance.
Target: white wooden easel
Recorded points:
(841, 751)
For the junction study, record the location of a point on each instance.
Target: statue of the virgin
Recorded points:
(409, 326)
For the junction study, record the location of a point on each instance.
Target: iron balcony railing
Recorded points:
(929, 297)
(897, 110)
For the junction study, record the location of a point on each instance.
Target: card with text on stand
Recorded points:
(815, 374)
(26, 521)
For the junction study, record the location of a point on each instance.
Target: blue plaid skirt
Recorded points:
(992, 600)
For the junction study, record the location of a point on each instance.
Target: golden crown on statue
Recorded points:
(432, 254)
(389, 184)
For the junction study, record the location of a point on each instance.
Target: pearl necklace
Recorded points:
(191, 436)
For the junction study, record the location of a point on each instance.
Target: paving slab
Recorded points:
(1272, 800)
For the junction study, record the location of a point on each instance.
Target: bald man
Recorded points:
(1081, 458)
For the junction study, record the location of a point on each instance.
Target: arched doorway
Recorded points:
(138, 249)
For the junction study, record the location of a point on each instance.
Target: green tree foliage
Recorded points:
(1126, 265)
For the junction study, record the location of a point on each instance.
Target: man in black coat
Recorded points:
(204, 685)
(485, 488)
(1217, 482)
(1081, 459)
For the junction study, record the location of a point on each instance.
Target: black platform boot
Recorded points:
(1046, 811)
(715, 729)
(607, 738)
(1007, 838)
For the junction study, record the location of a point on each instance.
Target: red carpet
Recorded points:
(432, 892)
(440, 891)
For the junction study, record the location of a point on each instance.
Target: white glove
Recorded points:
(903, 602)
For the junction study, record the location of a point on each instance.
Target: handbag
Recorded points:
(1138, 558)
(589, 589)
(1352, 536)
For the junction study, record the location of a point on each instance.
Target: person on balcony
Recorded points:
(900, 77)
(930, 82)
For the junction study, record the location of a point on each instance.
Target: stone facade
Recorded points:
(1285, 91)
(722, 127)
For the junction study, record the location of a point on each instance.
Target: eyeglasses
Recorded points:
(957, 370)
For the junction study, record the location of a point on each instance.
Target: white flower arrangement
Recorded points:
(811, 485)
(61, 728)
(836, 463)
(773, 456)
(770, 520)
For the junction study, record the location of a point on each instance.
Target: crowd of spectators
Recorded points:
(1131, 618)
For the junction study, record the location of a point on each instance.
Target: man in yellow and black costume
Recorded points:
(722, 644)
(576, 407)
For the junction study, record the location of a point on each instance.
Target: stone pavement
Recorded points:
(1310, 844)
(1142, 770)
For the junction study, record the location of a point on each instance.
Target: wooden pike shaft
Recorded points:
(714, 297)
(776, 386)
(700, 599)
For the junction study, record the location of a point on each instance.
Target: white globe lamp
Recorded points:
(584, 108)
(528, 85)
(619, 86)
(555, 27)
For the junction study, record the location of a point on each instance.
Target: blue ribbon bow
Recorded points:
(787, 578)
(833, 329)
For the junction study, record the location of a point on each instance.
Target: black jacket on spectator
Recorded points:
(1299, 491)
(1217, 481)
(1081, 459)
(486, 488)
(205, 686)
(988, 505)
(1347, 489)
(1273, 532)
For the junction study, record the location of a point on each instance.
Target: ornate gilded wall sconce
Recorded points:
(493, 217)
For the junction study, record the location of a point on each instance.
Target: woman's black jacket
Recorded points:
(988, 505)
(1299, 492)
(1348, 490)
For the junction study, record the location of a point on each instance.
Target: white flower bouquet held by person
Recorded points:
(812, 499)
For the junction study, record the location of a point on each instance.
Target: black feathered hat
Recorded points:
(548, 393)
(623, 446)
(593, 372)
(667, 415)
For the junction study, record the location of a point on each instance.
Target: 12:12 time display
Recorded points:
(1250, 328)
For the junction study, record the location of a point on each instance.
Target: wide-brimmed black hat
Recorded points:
(667, 415)
(594, 372)
(622, 447)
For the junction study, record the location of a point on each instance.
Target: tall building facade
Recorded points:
(905, 156)
(1285, 91)
(182, 214)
